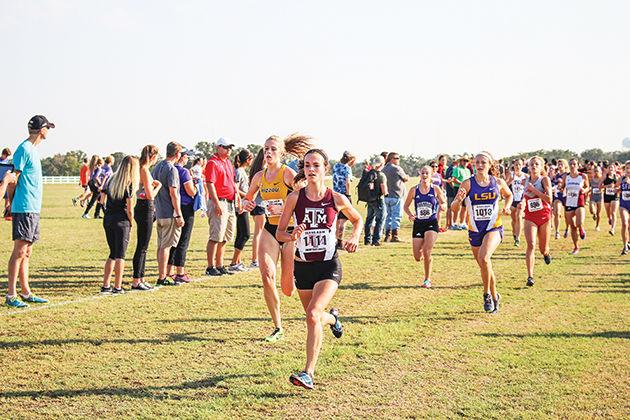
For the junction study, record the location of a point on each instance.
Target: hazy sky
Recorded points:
(419, 77)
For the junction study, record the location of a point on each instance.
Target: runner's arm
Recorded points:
(407, 205)
(506, 194)
(343, 204)
(254, 186)
(287, 211)
(462, 192)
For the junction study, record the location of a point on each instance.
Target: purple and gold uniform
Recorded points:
(484, 214)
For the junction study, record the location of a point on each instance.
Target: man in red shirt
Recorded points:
(219, 174)
(84, 178)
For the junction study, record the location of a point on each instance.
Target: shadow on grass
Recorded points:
(351, 319)
(585, 290)
(152, 392)
(171, 338)
(600, 334)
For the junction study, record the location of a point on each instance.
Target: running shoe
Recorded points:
(426, 284)
(33, 299)
(377, 243)
(582, 233)
(85, 216)
(566, 233)
(441, 229)
(575, 251)
(237, 268)
(182, 278)
(611, 232)
(530, 281)
(106, 290)
(118, 292)
(14, 302)
(463, 226)
(336, 328)
(302, 379)
(496, 304)
(547, 259)
(74, 202)
(225, 271)
(212, 271)
(597, 228)
(517, 242)
(254, 264)
(488, 303)
(168, 282)
(277, 334)
(141, 287)
(557, 235)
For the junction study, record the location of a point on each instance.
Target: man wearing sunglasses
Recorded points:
(221, 188)
(396, 178)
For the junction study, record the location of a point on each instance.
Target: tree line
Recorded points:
(69, 164)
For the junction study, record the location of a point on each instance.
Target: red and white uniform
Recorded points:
(318, 242)
(536, 210)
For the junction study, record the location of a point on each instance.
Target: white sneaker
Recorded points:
(85, 216)
(254, 264)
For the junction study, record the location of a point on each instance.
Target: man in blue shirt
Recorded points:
(26, 206)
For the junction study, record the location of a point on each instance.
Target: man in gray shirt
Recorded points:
(167, 209)
(396, 178)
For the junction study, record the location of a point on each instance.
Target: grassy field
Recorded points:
(559, 349)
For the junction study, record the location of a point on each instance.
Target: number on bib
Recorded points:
(596, 191)
(483, 212)
(273, 207)
(625, 195)
(314, 240)
(610, 191)
(535, 204)
(424, 210)
(572, 198)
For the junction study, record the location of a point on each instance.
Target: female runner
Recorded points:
(317, 267)
(595, 204)
(558, 196)
(611, 199)
(427, 198)
(275, 183)
(624, 208)
(537, 204)
(485, 228)
(515, 180)
(575, 189)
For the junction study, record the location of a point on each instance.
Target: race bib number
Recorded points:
(610, 191)
(315, 240)
(572, 198)
(596, 190)
(424, 210)
(625, 195)
(273, 207)
(483, 212)
(535, 204)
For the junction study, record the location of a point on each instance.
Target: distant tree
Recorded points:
(254, 148)
(205, 149)
(67, 164)
(595, 155)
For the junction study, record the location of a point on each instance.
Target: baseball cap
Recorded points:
(39, 121)
(224, 142)
(377, 160)
(189, 152)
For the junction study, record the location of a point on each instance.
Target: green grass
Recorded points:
(559, 349)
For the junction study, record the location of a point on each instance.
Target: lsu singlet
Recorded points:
(482, 204)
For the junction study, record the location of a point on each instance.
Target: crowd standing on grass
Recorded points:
(300, 223)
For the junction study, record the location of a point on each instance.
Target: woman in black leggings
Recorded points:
(144, 214)
(94, 183)
(187, 192)
(120, 189)
(241, 162)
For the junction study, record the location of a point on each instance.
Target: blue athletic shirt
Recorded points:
(426, 205)
(29, 190)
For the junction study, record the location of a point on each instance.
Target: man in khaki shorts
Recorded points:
(221, 187)
(168, 211)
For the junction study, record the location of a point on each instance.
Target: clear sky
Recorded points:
(420, 77)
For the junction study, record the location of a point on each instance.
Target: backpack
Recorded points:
(368, 188)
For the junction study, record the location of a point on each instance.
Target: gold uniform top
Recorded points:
(274, 193)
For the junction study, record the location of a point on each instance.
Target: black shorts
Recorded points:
(306, 274)
(258, 211)
(421, 227)
(570, 208)
(515, 203)
(340, 215)
(272, 229)
(117, 235)
(610, 198)
(25, 227)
